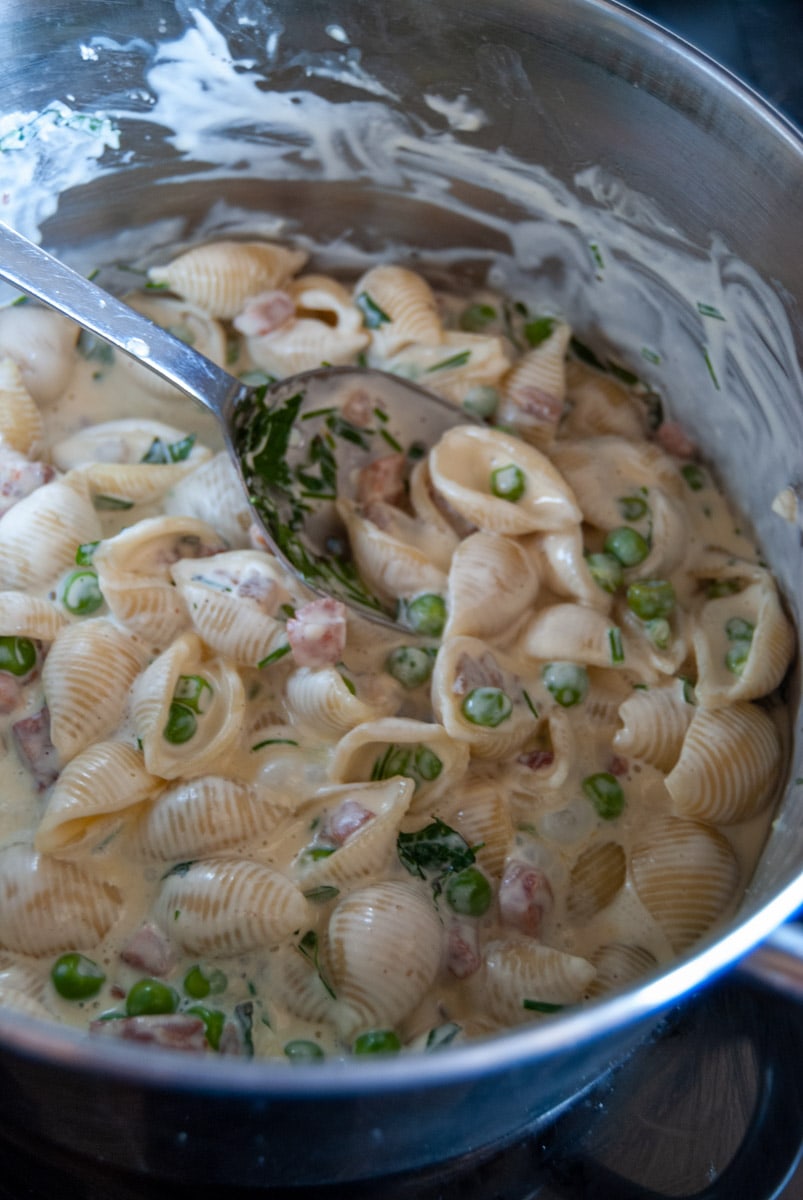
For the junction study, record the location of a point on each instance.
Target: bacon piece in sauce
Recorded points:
(524, 897)
(264, 313)
(317, 633)
(618, 765)
(382, 480)
(10, 693)
(479, 672)
(358, 408)
(32, 739)
(463, 948)
(344, 821)
(149, 950)
(674, 439)
(19, 477)
(173, 1031)
(536, 759)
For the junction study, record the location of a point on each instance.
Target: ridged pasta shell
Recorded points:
(484, 566)
(214, 494)
(47, 906)
(461, 465)
(205, 816)
(523, 969)
(601, 470)
(596, 878)
(463, 665)
(728, 767)
(134, 573)
(224, 906)
(617, 965)
(219, 727)
(368, 851)
(383, 951)
(90, 797)
(360, 754)
(534, 389)
(408, 302)
(42, 343)
(21, 425)
(556, 737)
(296, 985)
(460, 363)
(565, 570)
(40, 534)
(686, 876)
(481, 815)
(29, 616)
(185, 321)
(86, 678)
(304, 344)
(391, 551)
(433, 511)
(22, 988)
(772, 646)
(654, 724)
(232, 600)
(599, 406)
(320, 702)
(573, 633)
(220, 276)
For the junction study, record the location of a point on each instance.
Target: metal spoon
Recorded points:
(298, 444)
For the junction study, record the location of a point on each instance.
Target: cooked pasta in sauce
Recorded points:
(239, 818)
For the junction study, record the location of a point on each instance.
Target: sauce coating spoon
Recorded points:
(299, 445)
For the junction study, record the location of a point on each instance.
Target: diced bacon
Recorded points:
(149, 950)
(339, 825)
(474, 673)
(172, 1031)
(674, 439)
(382, 479)
(261, 588)
(545, 408)
(524, 897)
(463, 948)
(317, 633)
(10, 692)
(536, 759)
(232, 1041)
(19, 477)
(32, 739)
(618, 765)
(256, 536)
(264, 313)
(358, 408)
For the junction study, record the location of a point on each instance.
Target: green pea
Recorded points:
(427, 764)
(566, 682)
(377, 1041)
(213, 1020)
(427, 614)
(659, 632)
(469, 892)
(181, 724)
(17, 655)
(85, 553)
(488, 706)
(481, 401)
(410, 665)
(302, 1050)
(605, 793)
(81, 594)
(76, 977)
(508, 482)
(694, 476)
(651, 598)
(198, 985)
(738, 654)
(739, 630)
(149, 996)
(606, 571)
(632, 508)
(627, 545)
(193, 691)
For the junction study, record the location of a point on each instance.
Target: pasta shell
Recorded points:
(728, 767)
(22, 988)
(91, 796)
(134, 573)
(433, 511)
(224, 906)
(394, 746)
(534, 389)
(29, 616)
(602, 470)
(485, 565)
(40, 534)
(206, 816)
(391, 550)
(367, 852)
(383, 951)
(296, 984)
(617, 965)
(545, 768)
(86, 678)
(320, 702)
(686, 876)
(599, 406)
(596, 878)
(565, 572)
(326, 327)
(214, 494)
(217, 729)
(574, 633)
(465, 665)
(519, 970)
(407, 301)
(481, 815)
(42, 343)
(460, 363)
(654, 724)
(21, 425)
(47, 906)
(462, 464)
(185, 321)
(220, 276)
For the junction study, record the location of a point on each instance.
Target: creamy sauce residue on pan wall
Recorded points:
(237, 817)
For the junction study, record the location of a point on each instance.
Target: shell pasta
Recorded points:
(227, 798)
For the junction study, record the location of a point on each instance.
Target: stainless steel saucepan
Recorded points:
(572, 149)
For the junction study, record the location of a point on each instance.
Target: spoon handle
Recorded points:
(34, 271)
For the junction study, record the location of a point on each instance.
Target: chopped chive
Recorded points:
(539, 330)
(381, 415)
(650, 356)
(372, 315)
(111, 503)
(274, 656)
(457, 360)
(694, 475)
(711, 370)
(708, 310)
(275, 742)
(391, 441)
(596, 255)
(474, 318)
(541, 1006)
(615, 643)
(322, 894)
(529, 703)
(319, 412)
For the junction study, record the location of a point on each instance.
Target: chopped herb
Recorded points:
(650, 356)
(456, 360)
(585, 354)
(539, 330)
(111, 503)
(275, 655)
(391, 441)
(541, 1006)
(322, 895)
(688, 690)
(244, 1014)
(596, 255)
(312, 413)
(629, 378)
(275, 742)
(308, 948)
(717, 588)
(694, 475)
(474, 318)
(529, 703)
(434, 850)
(416, 762)
(287, 611)
(180, 868)
(615, 644)
(711, 370)
(708, 310)
(372, 315)
(152, 286)
(442, 1035)
(169, 452)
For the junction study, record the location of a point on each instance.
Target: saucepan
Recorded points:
(564, 141)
